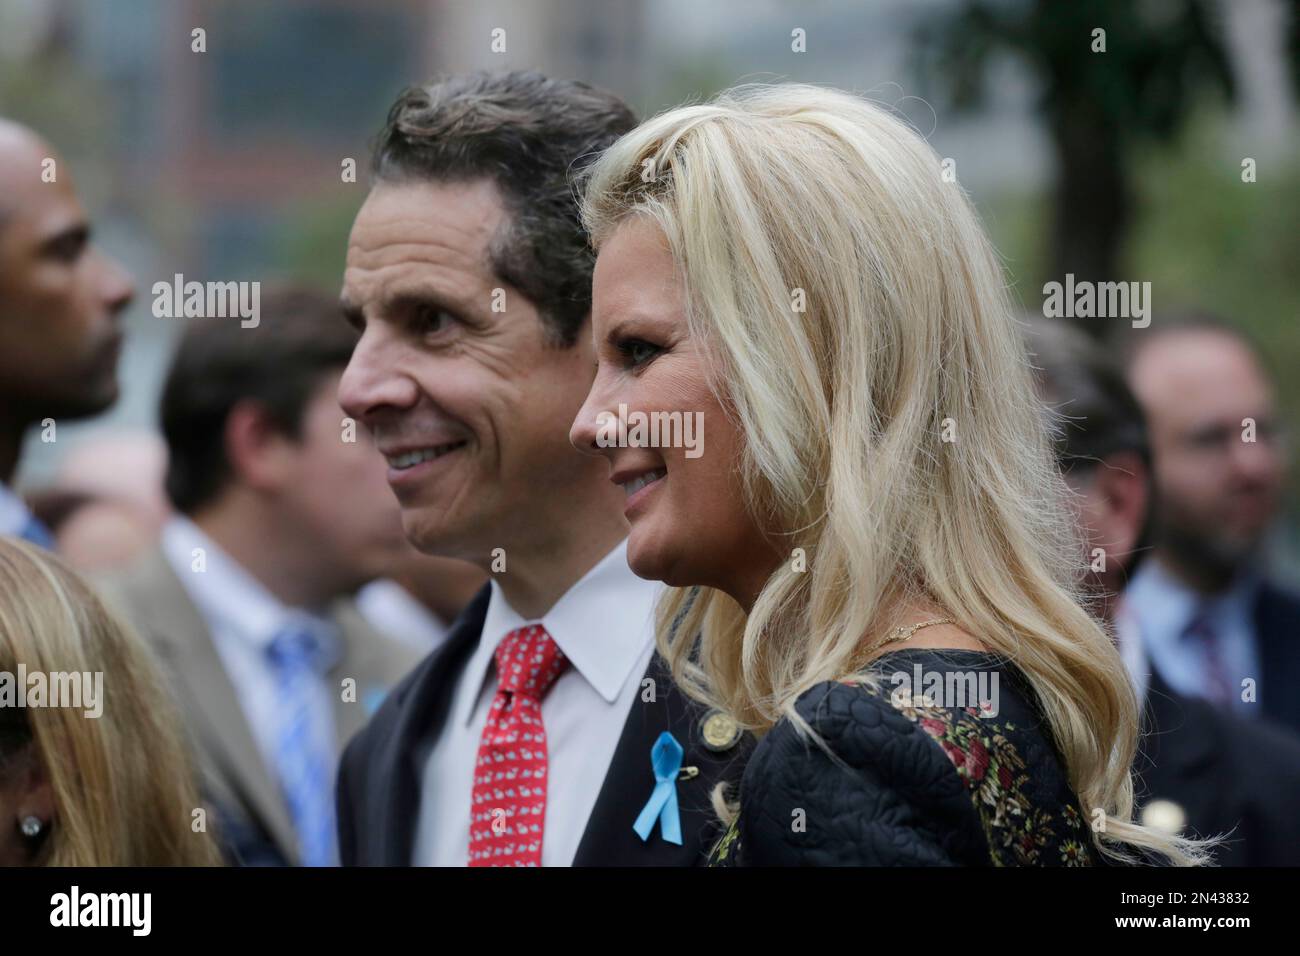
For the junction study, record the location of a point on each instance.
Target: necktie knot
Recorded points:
(298, 647)
(1200, 627)
(528, 662)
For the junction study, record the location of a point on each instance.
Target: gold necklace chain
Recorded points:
(905, 631)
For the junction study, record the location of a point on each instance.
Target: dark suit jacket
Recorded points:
(380, 774)
(1226, 773)
(1277, 630)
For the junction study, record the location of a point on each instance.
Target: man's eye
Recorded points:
(637, 351)
(68, 249)
(430, 320)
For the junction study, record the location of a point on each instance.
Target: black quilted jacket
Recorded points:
(967, 776)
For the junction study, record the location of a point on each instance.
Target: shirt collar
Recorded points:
(14, 515)
(1128, 638)
(230, 598)
(602, 624)
(1165, 606)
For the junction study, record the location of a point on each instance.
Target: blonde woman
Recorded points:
(872, 560)
(92, 769)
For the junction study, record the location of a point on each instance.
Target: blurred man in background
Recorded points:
(282, 515)
(60, 302)
(1201, 769)
(1212, 623)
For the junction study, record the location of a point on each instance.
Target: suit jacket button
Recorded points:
(719, 731)
(1164, 815)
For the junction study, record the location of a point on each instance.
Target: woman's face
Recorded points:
(651, 413)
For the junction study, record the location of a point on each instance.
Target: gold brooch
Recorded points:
(719, 731)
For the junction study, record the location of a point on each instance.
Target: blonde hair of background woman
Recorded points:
(123, 785)
(908, 331)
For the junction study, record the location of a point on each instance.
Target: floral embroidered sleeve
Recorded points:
(902, 783)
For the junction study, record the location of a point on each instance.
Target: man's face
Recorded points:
(1216, 492)
(454, 375)
(59, 296)
(334, 491)
(1110, 499)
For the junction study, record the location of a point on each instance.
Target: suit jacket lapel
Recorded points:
(418, 724)
(1277, 629)
(369, 658)
(1180, 750)
(609, 839)
(184, 641)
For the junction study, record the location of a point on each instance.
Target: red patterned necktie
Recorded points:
(508, 813)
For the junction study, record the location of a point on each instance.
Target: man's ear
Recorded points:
(258, 452)
(1121, 484)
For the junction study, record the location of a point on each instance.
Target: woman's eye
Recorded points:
(638, 351)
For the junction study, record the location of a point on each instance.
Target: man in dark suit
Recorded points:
(545, 725)
(1200, 769)
(1212, 622)
(61, 301)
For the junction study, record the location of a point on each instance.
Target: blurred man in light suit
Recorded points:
(282, 516)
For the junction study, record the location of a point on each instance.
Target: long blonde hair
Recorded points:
(892, 434)
(123, 786)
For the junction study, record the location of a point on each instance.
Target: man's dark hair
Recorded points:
(1097, 413)
(279, 364)
(530, 135)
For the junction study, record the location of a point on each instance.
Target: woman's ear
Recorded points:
(27, 795)
(36, 799)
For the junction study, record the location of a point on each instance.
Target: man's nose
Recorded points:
(1257, 460)
(372, 381)
(118, 287)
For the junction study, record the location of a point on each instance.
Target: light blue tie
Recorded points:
(305, 760)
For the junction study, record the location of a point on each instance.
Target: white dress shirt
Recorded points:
(604, 625)
(243, 618)
(1128, 636)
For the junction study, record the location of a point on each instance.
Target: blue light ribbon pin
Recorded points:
(666, 758)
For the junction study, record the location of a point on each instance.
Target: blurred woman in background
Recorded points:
(115, 789)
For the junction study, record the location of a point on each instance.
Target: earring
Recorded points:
(31, 827)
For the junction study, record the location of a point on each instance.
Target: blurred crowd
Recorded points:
(228, 574)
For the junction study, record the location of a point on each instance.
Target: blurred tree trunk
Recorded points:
(1091, 199)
